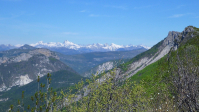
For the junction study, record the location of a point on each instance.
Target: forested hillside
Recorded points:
(60, 80)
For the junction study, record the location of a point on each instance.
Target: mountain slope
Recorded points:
(104, 67)
(175, 75)
(190, 44)
(156, 52)
(62, 79)
(23, 65)
(169, 84)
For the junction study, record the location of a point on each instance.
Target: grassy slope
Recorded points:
(156, 75)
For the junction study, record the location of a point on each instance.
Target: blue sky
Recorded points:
(94, 21)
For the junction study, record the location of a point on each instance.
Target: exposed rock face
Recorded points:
(22, 57)
(22, 80)
(25, 67)
(3, 60)
(169, 40)
(99, 69)
(187, 30)
(106, 66)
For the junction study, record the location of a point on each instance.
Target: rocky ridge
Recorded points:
(26, 56)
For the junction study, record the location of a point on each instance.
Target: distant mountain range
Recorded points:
(93, 47)
(69, 48)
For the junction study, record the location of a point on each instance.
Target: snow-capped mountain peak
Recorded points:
(66, 42)
(18, 45)
(40, 42)
(70, 45)
(112, 47)
(96, 47)
(93, 47)
(146, 47)
(116, 46)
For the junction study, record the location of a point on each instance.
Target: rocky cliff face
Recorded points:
(99, 69)
(169, 40)
(25, 67)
